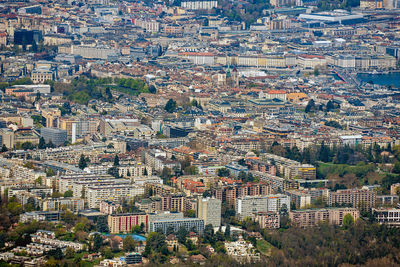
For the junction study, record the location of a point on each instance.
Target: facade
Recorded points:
(109, 207)
(267, 220)
(96, 194)
(246, 206)
(56, 136)
(125, 222)
(357, 198)
(73, 204)
(209, 209)
(188, 223)
(308, 218)
(198, 5)
(389, 216)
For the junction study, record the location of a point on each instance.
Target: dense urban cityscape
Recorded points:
(200, 133)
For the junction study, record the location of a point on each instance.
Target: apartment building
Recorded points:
(109, 207)
(73, 204)
(290, 168)
(246, 206)
(308, 218)
(357, 198)
(115, 192)
(125, 222)
(277, 183)
(66, 182)
(267, 220)
(188, 223)
(209, 209)
(301, 199)
(389, 216)
(134, 169)
(198, 5)
(229, 194)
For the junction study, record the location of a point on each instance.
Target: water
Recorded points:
(391, 78)
(134, 236)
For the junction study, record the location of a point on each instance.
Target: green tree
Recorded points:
(82, 162)
(348, 221)
(208, 234)
(68, 193)
(170, 106)
(310, 106)
(152, 89)
(223, 172)
(116, 161)
(42, 143)
(182, 234)
(97, 242)
(227, 231)
(316, 71)
(4, 148)
(129, 244)
(102, 225)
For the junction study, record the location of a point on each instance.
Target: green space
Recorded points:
(264, 246)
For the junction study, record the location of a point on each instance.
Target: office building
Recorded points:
(209, 209)
(57, 136)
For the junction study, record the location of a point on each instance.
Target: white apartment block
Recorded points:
(248, 205)
(198, 5)
(97, 194)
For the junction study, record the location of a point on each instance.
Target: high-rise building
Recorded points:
(125, 222)
(209, 209)
(56, 136)
(247, 206)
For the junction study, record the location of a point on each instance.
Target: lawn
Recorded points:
(264, 247)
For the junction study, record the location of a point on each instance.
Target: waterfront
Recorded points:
(391, 78)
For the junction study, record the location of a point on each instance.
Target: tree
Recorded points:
(310, 106)
(330, 106)
(82, 162)
(42, 143)
(68, 193)
(50, 172)
(242, 176)
(316, 71)
(190, 213)
(170, 106)
(4, 148)
(348, 221)
(396, 168)
(208, 234)
(116, 161)
(181, 235)
(170, 230)
(152, 89)
(227, 231)
(27, 146)
(191, 170)
(102, 225)
(97, 242)
(129, 244)
(56, 253)
(223, 172)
